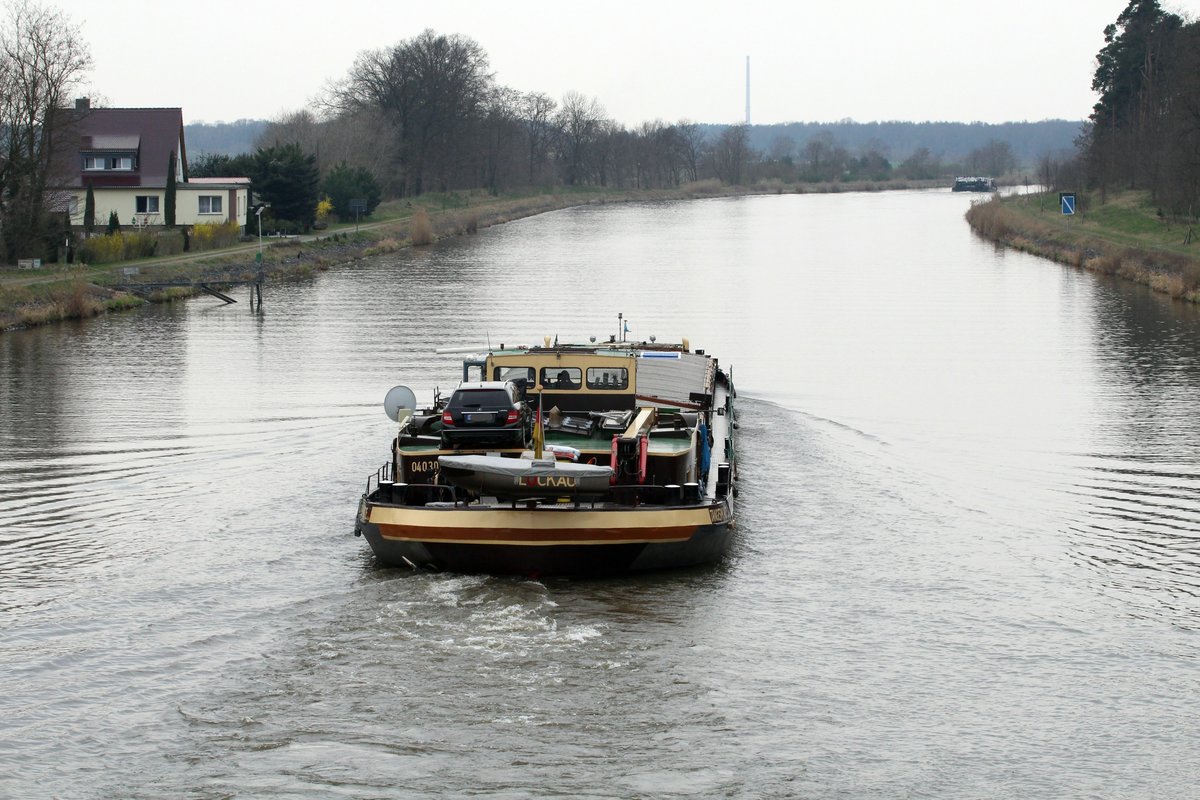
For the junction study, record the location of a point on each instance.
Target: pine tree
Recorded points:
(287, 178)
(89, 210)
(169, 204)
(114, 224)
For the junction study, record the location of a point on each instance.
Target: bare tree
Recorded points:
(782, 148)
(731, 154)
(433, 89)
(502, 138)
(650, 159)
(824, 159)
(691, 147)
(921, 165)
(362, 140)
(579, 120)
(994, 158)
(537, 112)
(301, 127)
(43, 61)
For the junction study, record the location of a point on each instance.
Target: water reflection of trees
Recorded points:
(1139, 527)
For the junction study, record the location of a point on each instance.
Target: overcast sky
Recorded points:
(998, 61)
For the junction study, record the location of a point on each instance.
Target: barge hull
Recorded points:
(495, 550)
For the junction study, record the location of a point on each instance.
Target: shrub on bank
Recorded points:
(75, 300)
(215, 235)
(117, 246)
(708, 186)
(421, 230)
(387, 245)
(122, 246)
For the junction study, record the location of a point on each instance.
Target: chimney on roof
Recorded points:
(83, 103)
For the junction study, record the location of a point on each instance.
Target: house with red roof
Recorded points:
(126, 155)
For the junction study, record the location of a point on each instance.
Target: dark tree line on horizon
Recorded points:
(426, 115)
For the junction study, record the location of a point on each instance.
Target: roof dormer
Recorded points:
(110, 153)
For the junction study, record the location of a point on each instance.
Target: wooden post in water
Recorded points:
(256, 288)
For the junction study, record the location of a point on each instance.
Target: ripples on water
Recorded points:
(967, 562)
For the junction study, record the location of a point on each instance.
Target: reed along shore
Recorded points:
(1123, 235)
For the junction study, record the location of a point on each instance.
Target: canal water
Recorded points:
(967, 564)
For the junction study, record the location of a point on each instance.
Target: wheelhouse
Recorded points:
(569, 379)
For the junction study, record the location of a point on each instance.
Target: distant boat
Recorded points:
(974, 185)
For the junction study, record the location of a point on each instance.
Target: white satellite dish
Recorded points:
(398, 400)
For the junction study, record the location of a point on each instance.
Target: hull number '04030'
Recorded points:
(423, 470)
(718, 514)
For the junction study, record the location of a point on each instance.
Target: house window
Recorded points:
(108, 162)
(210, 204)
(146, 203)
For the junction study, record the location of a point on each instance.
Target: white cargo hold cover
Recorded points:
(668, 379)
(523, 467)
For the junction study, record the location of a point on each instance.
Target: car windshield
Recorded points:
(481, 398)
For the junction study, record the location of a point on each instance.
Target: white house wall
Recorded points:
(187, 205)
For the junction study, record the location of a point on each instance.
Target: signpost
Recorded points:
(358, 205)
(258, 213)
(1066, 201)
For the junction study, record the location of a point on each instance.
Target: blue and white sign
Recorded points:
(1067, 201)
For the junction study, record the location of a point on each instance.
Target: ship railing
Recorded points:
(382, 488)
(631, 495)
(414, 494)
(381, 477)
(637, 494)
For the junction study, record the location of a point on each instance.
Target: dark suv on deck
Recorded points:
(486, 414)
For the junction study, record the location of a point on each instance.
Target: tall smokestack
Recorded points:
(747, 90)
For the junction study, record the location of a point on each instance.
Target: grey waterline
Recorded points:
(967, 561)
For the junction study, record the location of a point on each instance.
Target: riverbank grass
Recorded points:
(1123, 234)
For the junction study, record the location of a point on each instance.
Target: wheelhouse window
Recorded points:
(561, 378)
(146, 203)
(611, 378)
(513, 374)
(210, 204)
